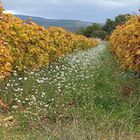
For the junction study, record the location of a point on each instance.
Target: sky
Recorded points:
(86, 10)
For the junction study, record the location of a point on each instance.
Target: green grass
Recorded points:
(84, 96)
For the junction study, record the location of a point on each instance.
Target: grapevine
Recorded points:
(125, 44)
(26, 45)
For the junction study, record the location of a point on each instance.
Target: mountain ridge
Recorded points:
(71, 25)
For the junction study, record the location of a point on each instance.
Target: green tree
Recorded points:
(109, 26)
(89, 30)
(96, 30)
(121, 19)
(99, 34)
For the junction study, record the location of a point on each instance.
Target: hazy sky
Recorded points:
(87, 10)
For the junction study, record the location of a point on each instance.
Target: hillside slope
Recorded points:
(71, 25)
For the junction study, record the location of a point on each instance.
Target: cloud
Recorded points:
(90, 10)
(8, 12)
(101, 3)
(11, 12)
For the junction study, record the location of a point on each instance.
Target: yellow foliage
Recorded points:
(30, 46)
(125, 44)
(6, 59)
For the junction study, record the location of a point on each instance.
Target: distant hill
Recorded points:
(71, 25)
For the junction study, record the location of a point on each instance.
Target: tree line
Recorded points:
(103, 31)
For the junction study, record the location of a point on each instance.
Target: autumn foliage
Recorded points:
(125, 44)
(6, 59)
(26, 45)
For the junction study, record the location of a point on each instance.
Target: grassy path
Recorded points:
(83, 96)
